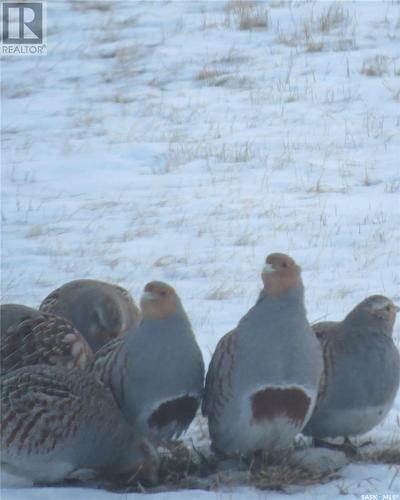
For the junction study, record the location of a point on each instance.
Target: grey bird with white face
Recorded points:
(100, 311)
(30, 337)
(156, 371)
(56, 421)
(263, 379)
(361, 373)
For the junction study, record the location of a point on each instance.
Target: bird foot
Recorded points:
(348, 447)
(366, 443)
(353, 449)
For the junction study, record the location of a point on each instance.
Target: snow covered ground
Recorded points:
(184, 141)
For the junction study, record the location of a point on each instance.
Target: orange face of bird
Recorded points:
(280, 274)
(384, 309)
(158, 301)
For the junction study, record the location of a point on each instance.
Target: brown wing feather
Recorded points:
(50, 301)
(325, 332)
(47, 340)
(218, 386)
(39, 410)
(109, 366)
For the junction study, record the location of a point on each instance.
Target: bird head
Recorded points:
(375, 312)
(280, 274)
(159, 300)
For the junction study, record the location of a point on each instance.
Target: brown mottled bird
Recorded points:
(30, 337)
(361, 373)
(14, 314)
(56, 421)
(100, 311)
(156, 369)
(263, 378)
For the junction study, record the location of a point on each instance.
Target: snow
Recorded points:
(158, 140)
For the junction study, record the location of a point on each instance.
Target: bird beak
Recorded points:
(147, 296)
(268, 269)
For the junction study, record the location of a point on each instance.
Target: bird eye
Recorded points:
(284, 264)
(163, 293)
(387, 308)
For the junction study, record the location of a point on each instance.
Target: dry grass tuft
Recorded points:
(183, 468)
(254, 20)
(238, 7)
(377, 66)
(316, 188)
(393, 90)
(315, 47)
(278, 4)
(389, 455)
(35, 231)
(181, 463)
(247, 15)
(233, 57)
(345, 44)
(101, 6)
(281, 477)
(392, 187)
(245, 239)
(221, 292)
(335, 16)
(212, 76)
(169, 260)
(309, 31)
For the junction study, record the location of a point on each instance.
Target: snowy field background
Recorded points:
(184, 141)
